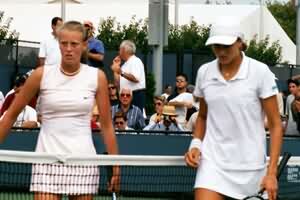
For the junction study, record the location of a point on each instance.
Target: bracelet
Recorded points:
(195, 143)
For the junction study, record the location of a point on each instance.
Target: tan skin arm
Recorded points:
(192, 156)
(270, 181)
(29, 90)
(116, 68)
(181, 104)
(96, 56)
(41, 61)
(108, 133)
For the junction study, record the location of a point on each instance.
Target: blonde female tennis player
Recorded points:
(67, 93)
(229, 144)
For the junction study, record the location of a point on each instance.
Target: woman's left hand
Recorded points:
(114, 184)
(270, 184)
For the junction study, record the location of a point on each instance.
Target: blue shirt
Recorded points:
(135, 118)
(95, 46)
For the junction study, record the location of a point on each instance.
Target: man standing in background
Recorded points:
(95, 51)
(49, 53)
(132, 73)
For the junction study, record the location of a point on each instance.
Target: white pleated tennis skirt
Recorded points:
(64, 179)
(236, 184)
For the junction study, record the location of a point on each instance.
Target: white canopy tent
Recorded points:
(31, 18)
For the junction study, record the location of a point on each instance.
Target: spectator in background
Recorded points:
(113, 94)
(49, 53)
(120, 121)
(195, 105)
(191, 124)
(133, 113)
(159, 102)
(28, 116)
(183, 100)
(167, 91)
(95, 50)
(168, 121)
(291, 127)
(132, 73)
(1, 99)
(19, 82)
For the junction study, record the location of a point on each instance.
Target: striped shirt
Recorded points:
(135, 118)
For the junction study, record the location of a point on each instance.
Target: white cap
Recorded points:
(226, 31)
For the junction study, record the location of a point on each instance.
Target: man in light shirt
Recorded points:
(183, 100)
(49, 53)
(132, 73)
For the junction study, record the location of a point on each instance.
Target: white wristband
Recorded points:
(195, 143)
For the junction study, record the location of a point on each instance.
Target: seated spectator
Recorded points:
(133, 113)
(159, 102)
(113, 95)
(167, 91)
(28, 116)
(168, 122)
(95, 123)
(10, 96)
(120, 121)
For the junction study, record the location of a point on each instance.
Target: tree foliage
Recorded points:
(186, 37)
(265, 52)
(112, 33)
(285, 14)
(7, 36)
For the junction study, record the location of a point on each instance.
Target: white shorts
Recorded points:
(64, 179)
(232, 183)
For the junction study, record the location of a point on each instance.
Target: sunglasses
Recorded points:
(112, 88)
(125, 95)
(119, 123)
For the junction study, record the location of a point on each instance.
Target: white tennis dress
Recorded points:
(233, 159)
(65, 105)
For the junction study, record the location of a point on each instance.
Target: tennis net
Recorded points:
(142, 177)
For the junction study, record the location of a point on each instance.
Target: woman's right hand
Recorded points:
(192, 157)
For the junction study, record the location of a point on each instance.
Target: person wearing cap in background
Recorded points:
(49, 53)
(95, 50)
(229, 141)
(167, 122)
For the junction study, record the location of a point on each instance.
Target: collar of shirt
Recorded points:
(241, 74)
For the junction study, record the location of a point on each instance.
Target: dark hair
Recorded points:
(120, 115)
(293, 81)
(183, 75)
(55, 20)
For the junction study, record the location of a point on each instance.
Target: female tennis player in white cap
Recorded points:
(229, 144)
(67, 93)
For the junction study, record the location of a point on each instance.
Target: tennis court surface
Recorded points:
(142, 177)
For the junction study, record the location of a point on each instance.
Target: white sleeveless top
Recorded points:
(65, 104)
